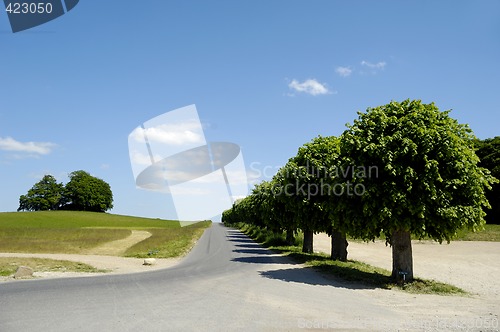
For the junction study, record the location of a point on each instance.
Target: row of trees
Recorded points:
(401, 169)
(488, 151)
(83, 192)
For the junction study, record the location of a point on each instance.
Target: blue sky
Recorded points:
(266, 75)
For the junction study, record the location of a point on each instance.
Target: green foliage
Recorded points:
(87, 193)
(488, 152)
(428, 180)
(82, 193)
(265, 236)
(401, 169)
(296, 196)
(308, 176)
(44, 195)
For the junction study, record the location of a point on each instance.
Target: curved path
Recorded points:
(118, 247)
(104, 257)
(226, 283)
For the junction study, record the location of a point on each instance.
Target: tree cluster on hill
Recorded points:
(400, 169)
(83, 192)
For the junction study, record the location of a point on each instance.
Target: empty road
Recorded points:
(226, 283)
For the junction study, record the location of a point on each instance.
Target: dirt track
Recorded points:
(473, 266)
(104, 257)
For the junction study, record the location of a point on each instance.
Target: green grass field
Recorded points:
(490, 233)
(75, 232)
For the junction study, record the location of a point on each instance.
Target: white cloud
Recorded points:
(378, 65)
(138, 158)
(170, 134)
(310, 86)
(343, 71)
(33, 148)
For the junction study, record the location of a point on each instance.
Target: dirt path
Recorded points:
(115, 265)
(472, 266)
(103, 257)
(118, 247)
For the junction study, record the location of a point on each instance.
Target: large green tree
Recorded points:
(315, 173)
(488, 151)
(428, 182)
(44, 195)
(85, 192)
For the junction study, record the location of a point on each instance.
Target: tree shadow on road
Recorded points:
(310, 276)
(254, 251)
(249, 245)
(258, 260)
(324, 272)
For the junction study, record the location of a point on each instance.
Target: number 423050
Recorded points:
(29, 8)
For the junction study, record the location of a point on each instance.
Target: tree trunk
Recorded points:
(290, 238)
(402, 259)
(307, 247)
(339, 246)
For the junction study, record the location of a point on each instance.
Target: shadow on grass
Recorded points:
(363, 275)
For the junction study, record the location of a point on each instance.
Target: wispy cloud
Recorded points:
(170, 134)
(31, 148)
(310, 86)
(378, 65)
(343, 71)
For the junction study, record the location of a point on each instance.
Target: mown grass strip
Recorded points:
(490, 233)
(50, 240)
(79, 219)
(9, 265)
(166, 243)
(350, 271)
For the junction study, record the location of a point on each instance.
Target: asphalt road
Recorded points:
(226, 283)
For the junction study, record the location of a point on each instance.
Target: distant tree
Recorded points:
(428, 183)
(44, 195)
(84, 192)
(488, 151)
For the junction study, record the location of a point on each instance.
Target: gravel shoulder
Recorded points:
(472, 266)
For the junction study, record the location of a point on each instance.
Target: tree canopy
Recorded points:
(401, 169)
(44, 195)
(82, 193)
(428, 184)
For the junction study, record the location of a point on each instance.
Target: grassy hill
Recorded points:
(77, 232)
